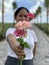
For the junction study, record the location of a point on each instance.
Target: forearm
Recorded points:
(14, 46)
(34, 50)
(11, 41)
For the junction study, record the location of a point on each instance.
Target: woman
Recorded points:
(15, 50)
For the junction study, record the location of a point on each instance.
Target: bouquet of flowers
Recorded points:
(20, 31)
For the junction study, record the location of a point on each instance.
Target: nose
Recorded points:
(23, 18)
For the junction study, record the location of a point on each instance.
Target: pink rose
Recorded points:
(26, 24)
(31, 15)
(19, 25)
(19, 33)
(23, 24)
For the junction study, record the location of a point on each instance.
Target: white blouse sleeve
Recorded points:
(9, 31)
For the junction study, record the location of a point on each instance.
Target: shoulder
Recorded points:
(9, 31)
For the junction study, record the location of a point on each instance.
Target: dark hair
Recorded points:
(17, 11)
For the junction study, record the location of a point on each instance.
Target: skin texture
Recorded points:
(34, 50)
(11, 39)
(22, 15)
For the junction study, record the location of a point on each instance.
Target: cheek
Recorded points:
(27, 19)
(18, 19)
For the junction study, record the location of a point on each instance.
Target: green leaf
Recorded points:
(20, 40)
(22, 43)
(25, 44)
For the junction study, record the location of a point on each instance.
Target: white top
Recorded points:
(30, 39)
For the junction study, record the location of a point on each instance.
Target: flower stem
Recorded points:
(21, 60)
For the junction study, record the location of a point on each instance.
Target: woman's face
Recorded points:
(22, 15)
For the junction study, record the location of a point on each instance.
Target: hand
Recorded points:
(19, 51)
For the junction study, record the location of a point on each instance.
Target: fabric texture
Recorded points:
(30, 39)
(15, 61)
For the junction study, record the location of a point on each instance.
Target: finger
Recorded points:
(20, 47)
(22, 56)
(19, 50)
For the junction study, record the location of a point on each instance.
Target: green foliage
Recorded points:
(43, 27)
(22, 43)
(14, 5)
(6, 26)
(20, 40)
(46, 3)
(39, 9)
(1, 36)
(26, 45)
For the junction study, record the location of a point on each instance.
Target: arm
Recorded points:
(34, 50)
(14, 46)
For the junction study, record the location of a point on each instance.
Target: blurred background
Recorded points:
(40, 8)
(40, 24)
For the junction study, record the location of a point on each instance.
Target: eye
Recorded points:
(20, 15)
(25, 16)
